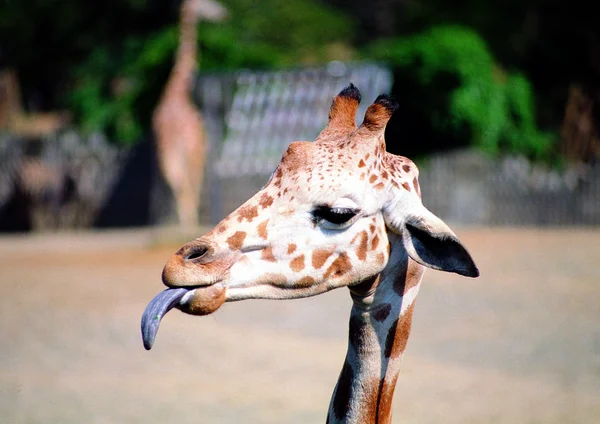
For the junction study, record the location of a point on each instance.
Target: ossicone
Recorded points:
(342, 114)
(351, 92)
(380, 112)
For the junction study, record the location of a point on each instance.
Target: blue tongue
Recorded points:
(156, 309)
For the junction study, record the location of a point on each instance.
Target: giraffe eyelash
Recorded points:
(336, 216)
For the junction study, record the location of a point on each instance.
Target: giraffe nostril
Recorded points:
(195, 252)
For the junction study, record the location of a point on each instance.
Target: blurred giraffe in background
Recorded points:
(178, 127)
(13, 117)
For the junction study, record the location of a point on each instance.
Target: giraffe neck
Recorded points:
(180, 80)
(379, 327)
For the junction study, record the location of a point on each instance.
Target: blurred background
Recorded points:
(128, 127)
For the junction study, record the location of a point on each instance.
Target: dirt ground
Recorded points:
(521, 344)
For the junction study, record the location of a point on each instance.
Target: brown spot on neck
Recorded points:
(398, 334)
(236, 241)
(291, 248)
(343, 392)
(383, 312)
(356, 331)
(408, 278)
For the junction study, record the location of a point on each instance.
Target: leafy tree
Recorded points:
(454, 89)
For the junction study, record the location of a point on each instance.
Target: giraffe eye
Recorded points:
(337, 216)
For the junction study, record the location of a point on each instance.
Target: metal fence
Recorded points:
(71, 181)
(61, 181)
(468, 187)
(251, 117)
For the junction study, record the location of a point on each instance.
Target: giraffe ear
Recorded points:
(428, 240)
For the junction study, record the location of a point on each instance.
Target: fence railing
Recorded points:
(251, 117)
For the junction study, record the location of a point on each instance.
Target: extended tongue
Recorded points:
(156, 309)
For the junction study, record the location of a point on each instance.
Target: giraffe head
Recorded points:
(209, 10)
(321, 222)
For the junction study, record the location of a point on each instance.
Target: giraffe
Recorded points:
(177, 123)
(338, 212)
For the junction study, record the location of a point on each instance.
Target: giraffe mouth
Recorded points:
(194, 301)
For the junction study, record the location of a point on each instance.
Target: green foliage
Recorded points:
(109, 61)
(465, 91)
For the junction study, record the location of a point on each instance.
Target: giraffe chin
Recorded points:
(193, 301)
(203, 300)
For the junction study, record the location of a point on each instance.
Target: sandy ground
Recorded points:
(521, 344)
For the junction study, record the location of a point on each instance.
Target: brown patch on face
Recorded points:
(343, 392)
(406, 186)
(297, 264)
(375, 242)
(221, 228)
(382, 313)
(262, 229)
(379, 186)
(305, 281)
(405, 168)
(372, 228)
(236, 241)
(361, 250)
(416, 186)
(380, 258)
(384, 175)
(362, 164)
(372, 178)
(339, 267)
(320, 256)
(265, 200)
(395, 184)
(397, 337)
(291, 248)
(247, 212)
(267, 255)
